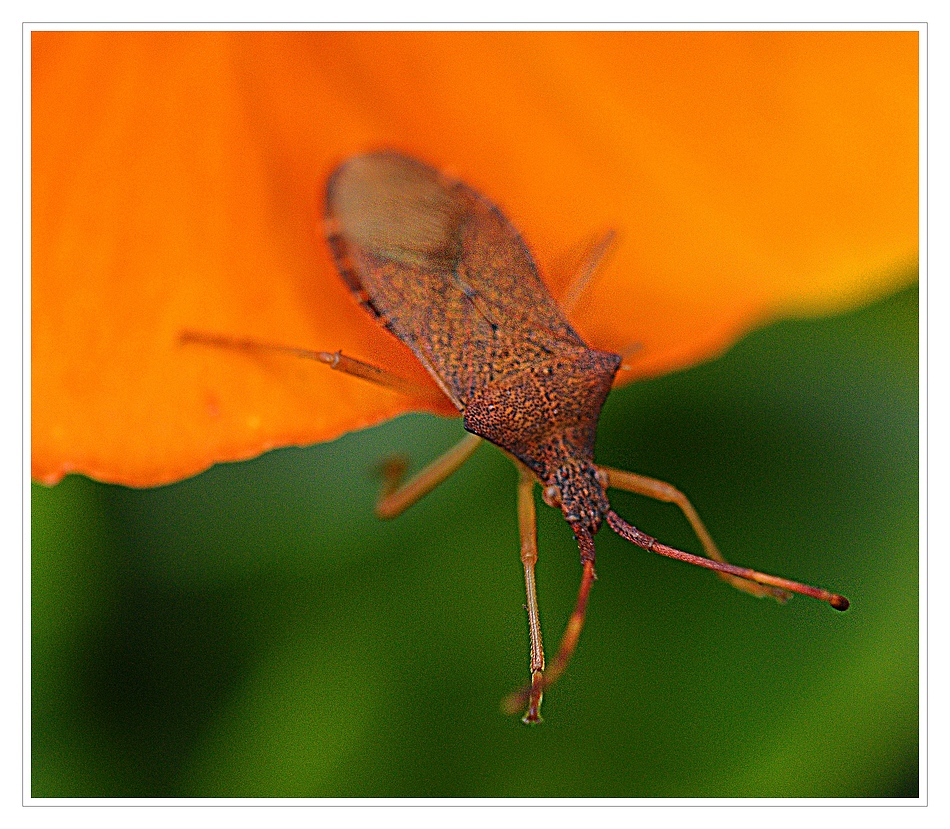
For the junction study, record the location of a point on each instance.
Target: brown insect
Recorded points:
(443, 269)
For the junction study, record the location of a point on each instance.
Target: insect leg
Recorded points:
(397, 496)
(592, 261)
(662, 491)
(529, 556)
(516, 701)
(335, 360)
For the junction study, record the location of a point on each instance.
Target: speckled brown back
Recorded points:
(442, 268)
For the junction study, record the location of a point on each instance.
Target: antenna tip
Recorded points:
(839, 602)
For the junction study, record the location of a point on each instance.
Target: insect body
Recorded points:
(442, 269)
(448, 274)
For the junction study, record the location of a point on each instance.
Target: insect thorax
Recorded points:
(546, 416)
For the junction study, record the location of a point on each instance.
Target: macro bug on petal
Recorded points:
(441, 268)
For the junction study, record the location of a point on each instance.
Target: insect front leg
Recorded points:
(662, 491)
(527, 524)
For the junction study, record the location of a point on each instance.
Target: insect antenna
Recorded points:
(530, 695)
(631, 533)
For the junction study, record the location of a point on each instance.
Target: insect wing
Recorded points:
(443, 269)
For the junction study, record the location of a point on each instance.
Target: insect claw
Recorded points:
(536, 692)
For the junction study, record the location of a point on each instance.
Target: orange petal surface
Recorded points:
(177, 180)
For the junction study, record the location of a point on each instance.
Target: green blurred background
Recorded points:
(256, 632)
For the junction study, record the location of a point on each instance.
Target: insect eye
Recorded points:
(552, 496)
(602, 478)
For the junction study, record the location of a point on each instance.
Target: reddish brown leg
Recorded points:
(335, 360)
(594, 258)
(397, 497)
(661, 491)
(592, 261)
(529, 557)
(515, 702)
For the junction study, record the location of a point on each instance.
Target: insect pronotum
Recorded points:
(441, 268)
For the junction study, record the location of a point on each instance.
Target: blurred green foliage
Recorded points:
(256, 631)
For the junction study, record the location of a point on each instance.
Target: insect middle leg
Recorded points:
(662, 491)
(397, 496)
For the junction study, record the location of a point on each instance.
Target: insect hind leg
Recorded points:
(593, 259)
(336, 360)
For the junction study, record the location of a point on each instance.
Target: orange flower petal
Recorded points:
(177, 178)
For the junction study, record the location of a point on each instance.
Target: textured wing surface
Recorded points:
(443, 269)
